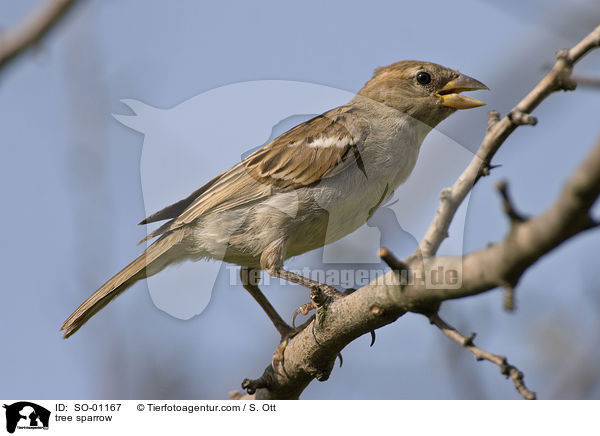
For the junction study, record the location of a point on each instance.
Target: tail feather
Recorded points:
(135, 271)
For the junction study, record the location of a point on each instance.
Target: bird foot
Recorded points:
(327, 290)
(320, 295)
(304, 310)
(330, 291)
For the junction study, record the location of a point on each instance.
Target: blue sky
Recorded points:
(72, 194)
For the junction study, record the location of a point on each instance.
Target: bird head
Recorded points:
(423, 90)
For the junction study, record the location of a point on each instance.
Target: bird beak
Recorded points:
(451, 97)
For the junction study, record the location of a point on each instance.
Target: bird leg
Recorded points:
(330, 291)
(285, 330)
(271, 260)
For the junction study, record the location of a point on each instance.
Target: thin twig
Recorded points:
(587, 81)
(507, 204)
(33, 28)
(383, 301)
(558, 78)
(506, 369)
(392, 261)
(312, 353)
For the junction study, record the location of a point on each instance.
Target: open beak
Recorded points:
(451, 97)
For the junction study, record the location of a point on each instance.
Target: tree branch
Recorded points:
(312, 353)
(558, 78)
(467, 342)
(588, 81)
(410, 287)
(33, 28)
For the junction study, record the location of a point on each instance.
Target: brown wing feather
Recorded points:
(317, 148)
(175, 209)
(293, 160)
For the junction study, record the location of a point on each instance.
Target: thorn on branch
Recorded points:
(520, 118)
(486, 170)
(468, 340)
(507, 204)
(506, 369)
(493, 118)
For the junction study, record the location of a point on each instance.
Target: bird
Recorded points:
(310, 186)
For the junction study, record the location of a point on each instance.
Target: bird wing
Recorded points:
(318, 148)
(175, 209)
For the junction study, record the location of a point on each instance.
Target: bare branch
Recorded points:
(467, 342)
(33, 28)
(503, 263)
(558, 78)
(587, 81)
(312, 353)
(392, 261)
(507, 204)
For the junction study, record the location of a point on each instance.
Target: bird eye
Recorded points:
(423, 77)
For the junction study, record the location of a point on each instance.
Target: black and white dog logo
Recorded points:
(26, 415)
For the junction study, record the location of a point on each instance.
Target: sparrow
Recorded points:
(308, 187)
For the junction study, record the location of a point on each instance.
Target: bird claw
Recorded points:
(319, 296)
(304, 310)
(323, 292)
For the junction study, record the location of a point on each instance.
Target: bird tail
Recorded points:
(151, 261)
